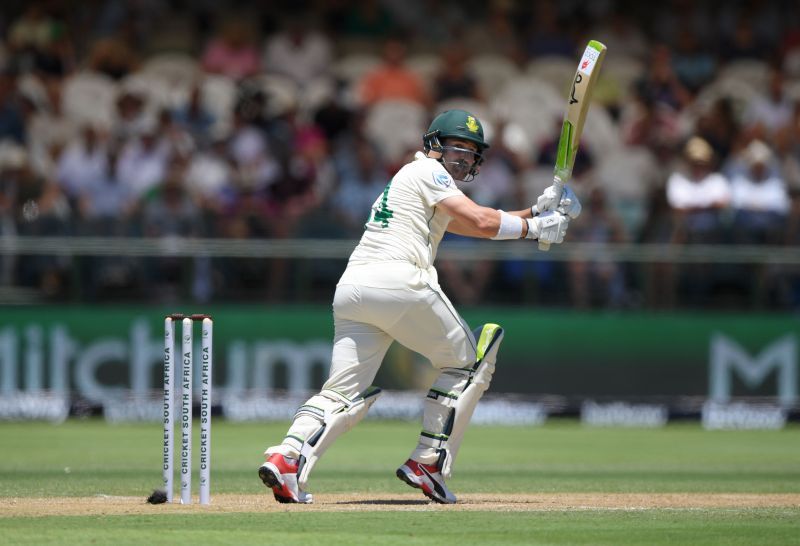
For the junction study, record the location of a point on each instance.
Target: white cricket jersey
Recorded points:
(404, 227)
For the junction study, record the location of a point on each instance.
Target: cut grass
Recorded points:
(764, 527)
(86, 458)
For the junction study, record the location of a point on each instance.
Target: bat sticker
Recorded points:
(578, 79)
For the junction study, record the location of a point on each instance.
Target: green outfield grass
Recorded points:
(89, 459)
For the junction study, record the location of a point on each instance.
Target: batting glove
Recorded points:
(567, 204)
(548, 227)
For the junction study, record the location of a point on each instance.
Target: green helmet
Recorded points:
(454, 124)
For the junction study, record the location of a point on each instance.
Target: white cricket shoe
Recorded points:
(279, 473)
(428, 478)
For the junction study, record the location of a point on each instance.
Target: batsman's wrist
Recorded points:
(509, 228)
(533, 230)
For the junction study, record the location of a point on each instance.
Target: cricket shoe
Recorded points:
(279, 473)
(428, 478)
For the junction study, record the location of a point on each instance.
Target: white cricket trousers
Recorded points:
(366, 321)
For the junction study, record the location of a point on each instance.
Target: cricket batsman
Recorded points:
(390, 292)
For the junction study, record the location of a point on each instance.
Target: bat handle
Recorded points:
(558, 184)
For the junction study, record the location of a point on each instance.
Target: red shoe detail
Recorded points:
(428, 478)
(279, 473)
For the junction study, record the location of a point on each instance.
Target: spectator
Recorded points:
(697, 194)
(39, 41)
(83, 163)
(361, 176)
(301, 185)
(547, 34)
(759, 199)
(367, 19)
(42, 210)
(193, 117)
(233, 51)
(105, 205)
(761, 204)
(789, 278)
(49, 130)
(658, 278)
(34, 29)
(768, 114)
(132, 116)
(743, 43)
(694, 65)
(143, 161)
(299, 51)
(209, 177)
(465, 281)
(596, 283)
(648, 123)
(172, 213)
(112, 57)
(12, 160)
(720, 128)
(105, 209)
(12, 119)
(495, 34)
(454, 80)
(787, 145)
(257, 166)
(392, 79)
(660, 85)
(621, 34)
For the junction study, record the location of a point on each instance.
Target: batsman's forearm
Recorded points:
(487, 226)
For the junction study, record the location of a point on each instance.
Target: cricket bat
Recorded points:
(577, 105)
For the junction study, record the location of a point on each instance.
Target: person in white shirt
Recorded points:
(84, 161)
(760, 199)
(299, 52)
(390, 292)
(143, 160)
(697, 194)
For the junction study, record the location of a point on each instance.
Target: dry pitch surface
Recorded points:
(228, 503)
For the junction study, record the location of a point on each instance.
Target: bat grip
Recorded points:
(559, 186)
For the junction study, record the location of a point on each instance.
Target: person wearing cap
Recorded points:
(390, 292)
(697, 194)
(760, 199)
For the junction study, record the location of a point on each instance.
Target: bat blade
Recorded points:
(580, 97)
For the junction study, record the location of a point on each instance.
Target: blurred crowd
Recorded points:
(285, 120)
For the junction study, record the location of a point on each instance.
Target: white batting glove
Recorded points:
(548, 200)
(548, 227)
(568, 204)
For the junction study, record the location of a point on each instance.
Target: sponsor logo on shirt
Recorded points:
(442, 179)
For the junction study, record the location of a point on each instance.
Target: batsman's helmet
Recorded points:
(454, 124)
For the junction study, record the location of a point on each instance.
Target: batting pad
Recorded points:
(336, 414)
(452, 400)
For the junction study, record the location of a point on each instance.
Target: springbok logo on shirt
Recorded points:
(442, 179)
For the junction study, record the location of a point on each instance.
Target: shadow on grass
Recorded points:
(387, 502)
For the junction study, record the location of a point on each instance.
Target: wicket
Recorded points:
(185, 417)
